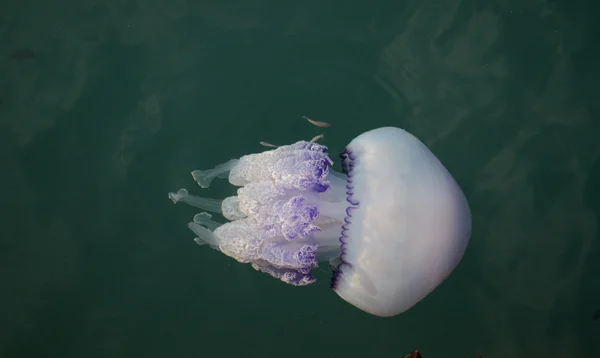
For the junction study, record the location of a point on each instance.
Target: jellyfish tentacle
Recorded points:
(231, 208)
(203, 227)
(287, 214)
(205, 219)
(205, 236)
(205, 177)
(286, 275)
(213, 205)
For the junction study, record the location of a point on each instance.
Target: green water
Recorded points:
(118, 101)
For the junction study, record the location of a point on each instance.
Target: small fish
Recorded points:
(596, 315)
(22, 54)
(269, 145)
(317, 123)
(319, 137)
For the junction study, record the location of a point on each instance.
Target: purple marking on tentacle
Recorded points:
(321, 187)
(289, 276)
(297, 219)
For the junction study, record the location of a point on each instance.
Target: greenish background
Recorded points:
(123, 99)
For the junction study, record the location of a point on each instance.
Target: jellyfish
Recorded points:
(393, 224)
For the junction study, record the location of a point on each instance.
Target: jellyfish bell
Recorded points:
(393, 224)
(409, 228)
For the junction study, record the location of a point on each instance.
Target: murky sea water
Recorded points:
(105, 106)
